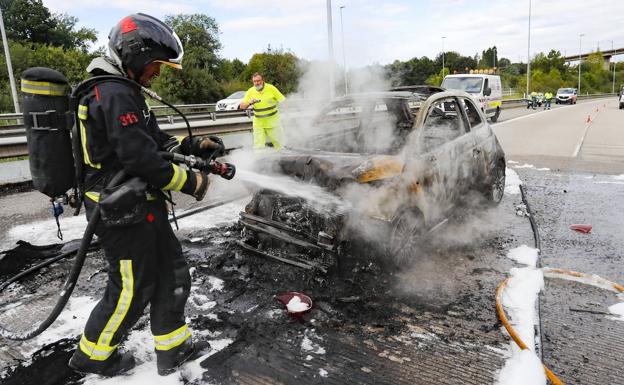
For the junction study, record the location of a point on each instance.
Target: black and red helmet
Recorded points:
(140, 39)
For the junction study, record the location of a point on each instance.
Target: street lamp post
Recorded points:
(614, 52)
(330, 44)
(529, 55)
(7, 54)
(580, 61)
(344, 55)
(443, 37)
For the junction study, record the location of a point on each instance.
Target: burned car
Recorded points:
(399, 163)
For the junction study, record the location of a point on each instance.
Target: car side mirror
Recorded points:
(488, 91)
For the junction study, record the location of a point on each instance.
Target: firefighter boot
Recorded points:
(169, 361)
(117, 363)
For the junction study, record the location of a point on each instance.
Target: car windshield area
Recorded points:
(442, 125)
(471, 85)
(361, 125)
(565, 91)
(237, 95)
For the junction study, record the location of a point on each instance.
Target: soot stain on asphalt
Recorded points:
(361, 297)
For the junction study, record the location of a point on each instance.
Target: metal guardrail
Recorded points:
(203, 121)
(511, 103)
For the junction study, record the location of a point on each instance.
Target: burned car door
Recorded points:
(448, 149)
(477, 126)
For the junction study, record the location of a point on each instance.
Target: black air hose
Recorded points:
(71, 280)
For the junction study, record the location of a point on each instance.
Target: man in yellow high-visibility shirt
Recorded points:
(266, 122)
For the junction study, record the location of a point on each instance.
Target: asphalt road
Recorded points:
(585, 137)
(433, 323)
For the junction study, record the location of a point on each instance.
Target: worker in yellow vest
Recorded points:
(266, 122)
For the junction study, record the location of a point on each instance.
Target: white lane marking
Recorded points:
(591, 120)
(580, 144)
(537, 113)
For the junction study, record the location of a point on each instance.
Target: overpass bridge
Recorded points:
(606, 54)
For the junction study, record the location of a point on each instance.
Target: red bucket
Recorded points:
(297, 304)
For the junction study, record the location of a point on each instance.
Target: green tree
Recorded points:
(412, 72)
(30, 21)
(197, 82)
(277, 67)
(199, 35)
(488, 58)
(455, 62)
(71, 63)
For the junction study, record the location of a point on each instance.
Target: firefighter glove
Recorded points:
(196, 185)
(207, 147)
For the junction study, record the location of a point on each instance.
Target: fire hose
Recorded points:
(555, 272)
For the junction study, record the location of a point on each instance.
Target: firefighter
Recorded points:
(264, 98)
(145, 261)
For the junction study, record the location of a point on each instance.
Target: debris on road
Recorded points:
(581, 228)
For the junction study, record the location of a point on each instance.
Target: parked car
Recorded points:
(400, 161)
(566, 95)
(622, 101)
(232, 102)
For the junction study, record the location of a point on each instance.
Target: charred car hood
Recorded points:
(333, 169)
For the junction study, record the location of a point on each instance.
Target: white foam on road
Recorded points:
(524, 368)
(526, 165)
(617, 309)
(525, 255)
(141, 345)
(512, 182)
(519, 299)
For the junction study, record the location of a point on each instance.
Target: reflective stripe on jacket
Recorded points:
(266, 112)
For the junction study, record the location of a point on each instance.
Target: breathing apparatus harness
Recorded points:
(77, 196)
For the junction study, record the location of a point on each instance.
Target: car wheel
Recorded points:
(496, 189)
(407, 231)
(494, 118)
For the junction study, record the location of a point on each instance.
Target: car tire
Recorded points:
(407, 230)
(495, 190)
(494, 118)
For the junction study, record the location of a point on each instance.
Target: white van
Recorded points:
(485, 89)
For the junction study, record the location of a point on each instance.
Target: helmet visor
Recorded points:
(160, 35)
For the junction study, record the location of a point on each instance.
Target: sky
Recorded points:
(378, 31)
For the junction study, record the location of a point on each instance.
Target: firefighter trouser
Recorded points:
(275, 134)
(145, 265)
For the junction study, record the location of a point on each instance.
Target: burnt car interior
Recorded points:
(365, 124)
(443, 124)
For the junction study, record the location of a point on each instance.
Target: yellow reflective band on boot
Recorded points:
(94, 196)
(173, 339)
(177, 180)
(123, 303)
(43, 88)
(94, 351)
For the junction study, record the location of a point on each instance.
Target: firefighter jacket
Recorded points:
(118, 130)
